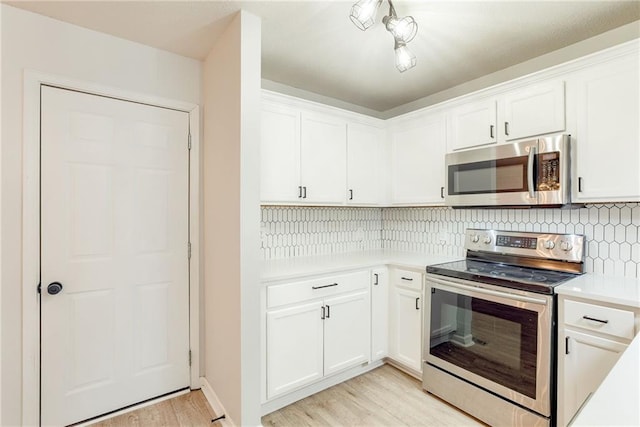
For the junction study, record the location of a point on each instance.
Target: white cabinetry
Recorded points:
(591, 339)
(365, 169)
(473, 124)
(279, 153)
(379, 313)
(405, 319)
(417, 155)
(316, 328)
(323, 162)
(534, 110)
(606, 144)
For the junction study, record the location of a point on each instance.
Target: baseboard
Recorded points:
(398, 365)
(215, 404)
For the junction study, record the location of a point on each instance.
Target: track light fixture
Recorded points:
(363, 14)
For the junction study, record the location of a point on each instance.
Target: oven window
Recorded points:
(490, 176)
(496, 341)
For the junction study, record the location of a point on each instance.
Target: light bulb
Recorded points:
(363, 13)
(405, 59)
(404, 30)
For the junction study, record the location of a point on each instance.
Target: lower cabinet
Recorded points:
(591, 339)
(405, 318)
(316, 328)
(379, 313)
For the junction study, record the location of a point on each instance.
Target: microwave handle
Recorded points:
(532, 156)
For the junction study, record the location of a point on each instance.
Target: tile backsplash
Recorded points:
(612, 231)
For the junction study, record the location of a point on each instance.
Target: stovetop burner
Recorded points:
(533, 279)
(529, 261)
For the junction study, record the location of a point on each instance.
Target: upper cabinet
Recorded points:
(417, 160)
(473, 124)
(606, 143)
(279, 154)
(533, 110)
(366, 172)
(323, 162)
(319, 156)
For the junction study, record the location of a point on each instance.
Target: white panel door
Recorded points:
(534, 110)
(347, 331)
(114, 233)
(473, 124)
(406, 332)
(323, 159)
(364, 165)
(279, 154)
(379, 313)
(294, 347)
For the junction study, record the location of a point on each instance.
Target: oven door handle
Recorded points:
(489, 291)
(530, 181)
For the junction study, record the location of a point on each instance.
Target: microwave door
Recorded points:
(502, 175)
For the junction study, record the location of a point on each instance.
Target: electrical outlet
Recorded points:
(443, 238)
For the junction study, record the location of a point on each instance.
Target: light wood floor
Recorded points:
(191, 409)
(385, 396)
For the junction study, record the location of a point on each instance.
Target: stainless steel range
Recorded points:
(489, 345)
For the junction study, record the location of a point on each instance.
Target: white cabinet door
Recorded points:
(379, 313)
(279, 154)
(473, 124)
(323, 159)
(606, 144)
(534, 110)
(406, 332)
(294, 347)
(417, 155)
(347, 331)
(364, 164)
(587, 363)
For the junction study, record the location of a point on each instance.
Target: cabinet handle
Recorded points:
(350, 194)
(299, 191)
(322, 311)
(579, 184)
(566, 345)
(594, 319)
(506, 128)
(491, 131)
(328, 312)
(304, 192)
(442, 192)
(407, 278)
(417, 299)
(375, 282)
(324, 286)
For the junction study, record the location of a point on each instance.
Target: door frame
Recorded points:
(33, 80)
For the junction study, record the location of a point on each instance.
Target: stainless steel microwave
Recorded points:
(523, 174)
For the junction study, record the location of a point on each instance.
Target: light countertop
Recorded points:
(614, 290)
(290, 268)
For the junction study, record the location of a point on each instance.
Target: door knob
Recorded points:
(54, 288)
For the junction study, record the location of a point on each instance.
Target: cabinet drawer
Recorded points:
(601, 319)
(407, 279)
(290, 293)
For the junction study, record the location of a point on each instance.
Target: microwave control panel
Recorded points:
(548, 171)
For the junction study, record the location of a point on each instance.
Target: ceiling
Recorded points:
(313, 46)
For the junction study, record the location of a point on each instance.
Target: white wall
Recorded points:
(232, 218)
(31, 41)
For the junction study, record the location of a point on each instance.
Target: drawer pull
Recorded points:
(324, 286)
(410, 279)
(594, 319)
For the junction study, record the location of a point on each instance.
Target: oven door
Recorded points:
(498, 340)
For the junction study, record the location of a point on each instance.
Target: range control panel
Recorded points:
(565, 247)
